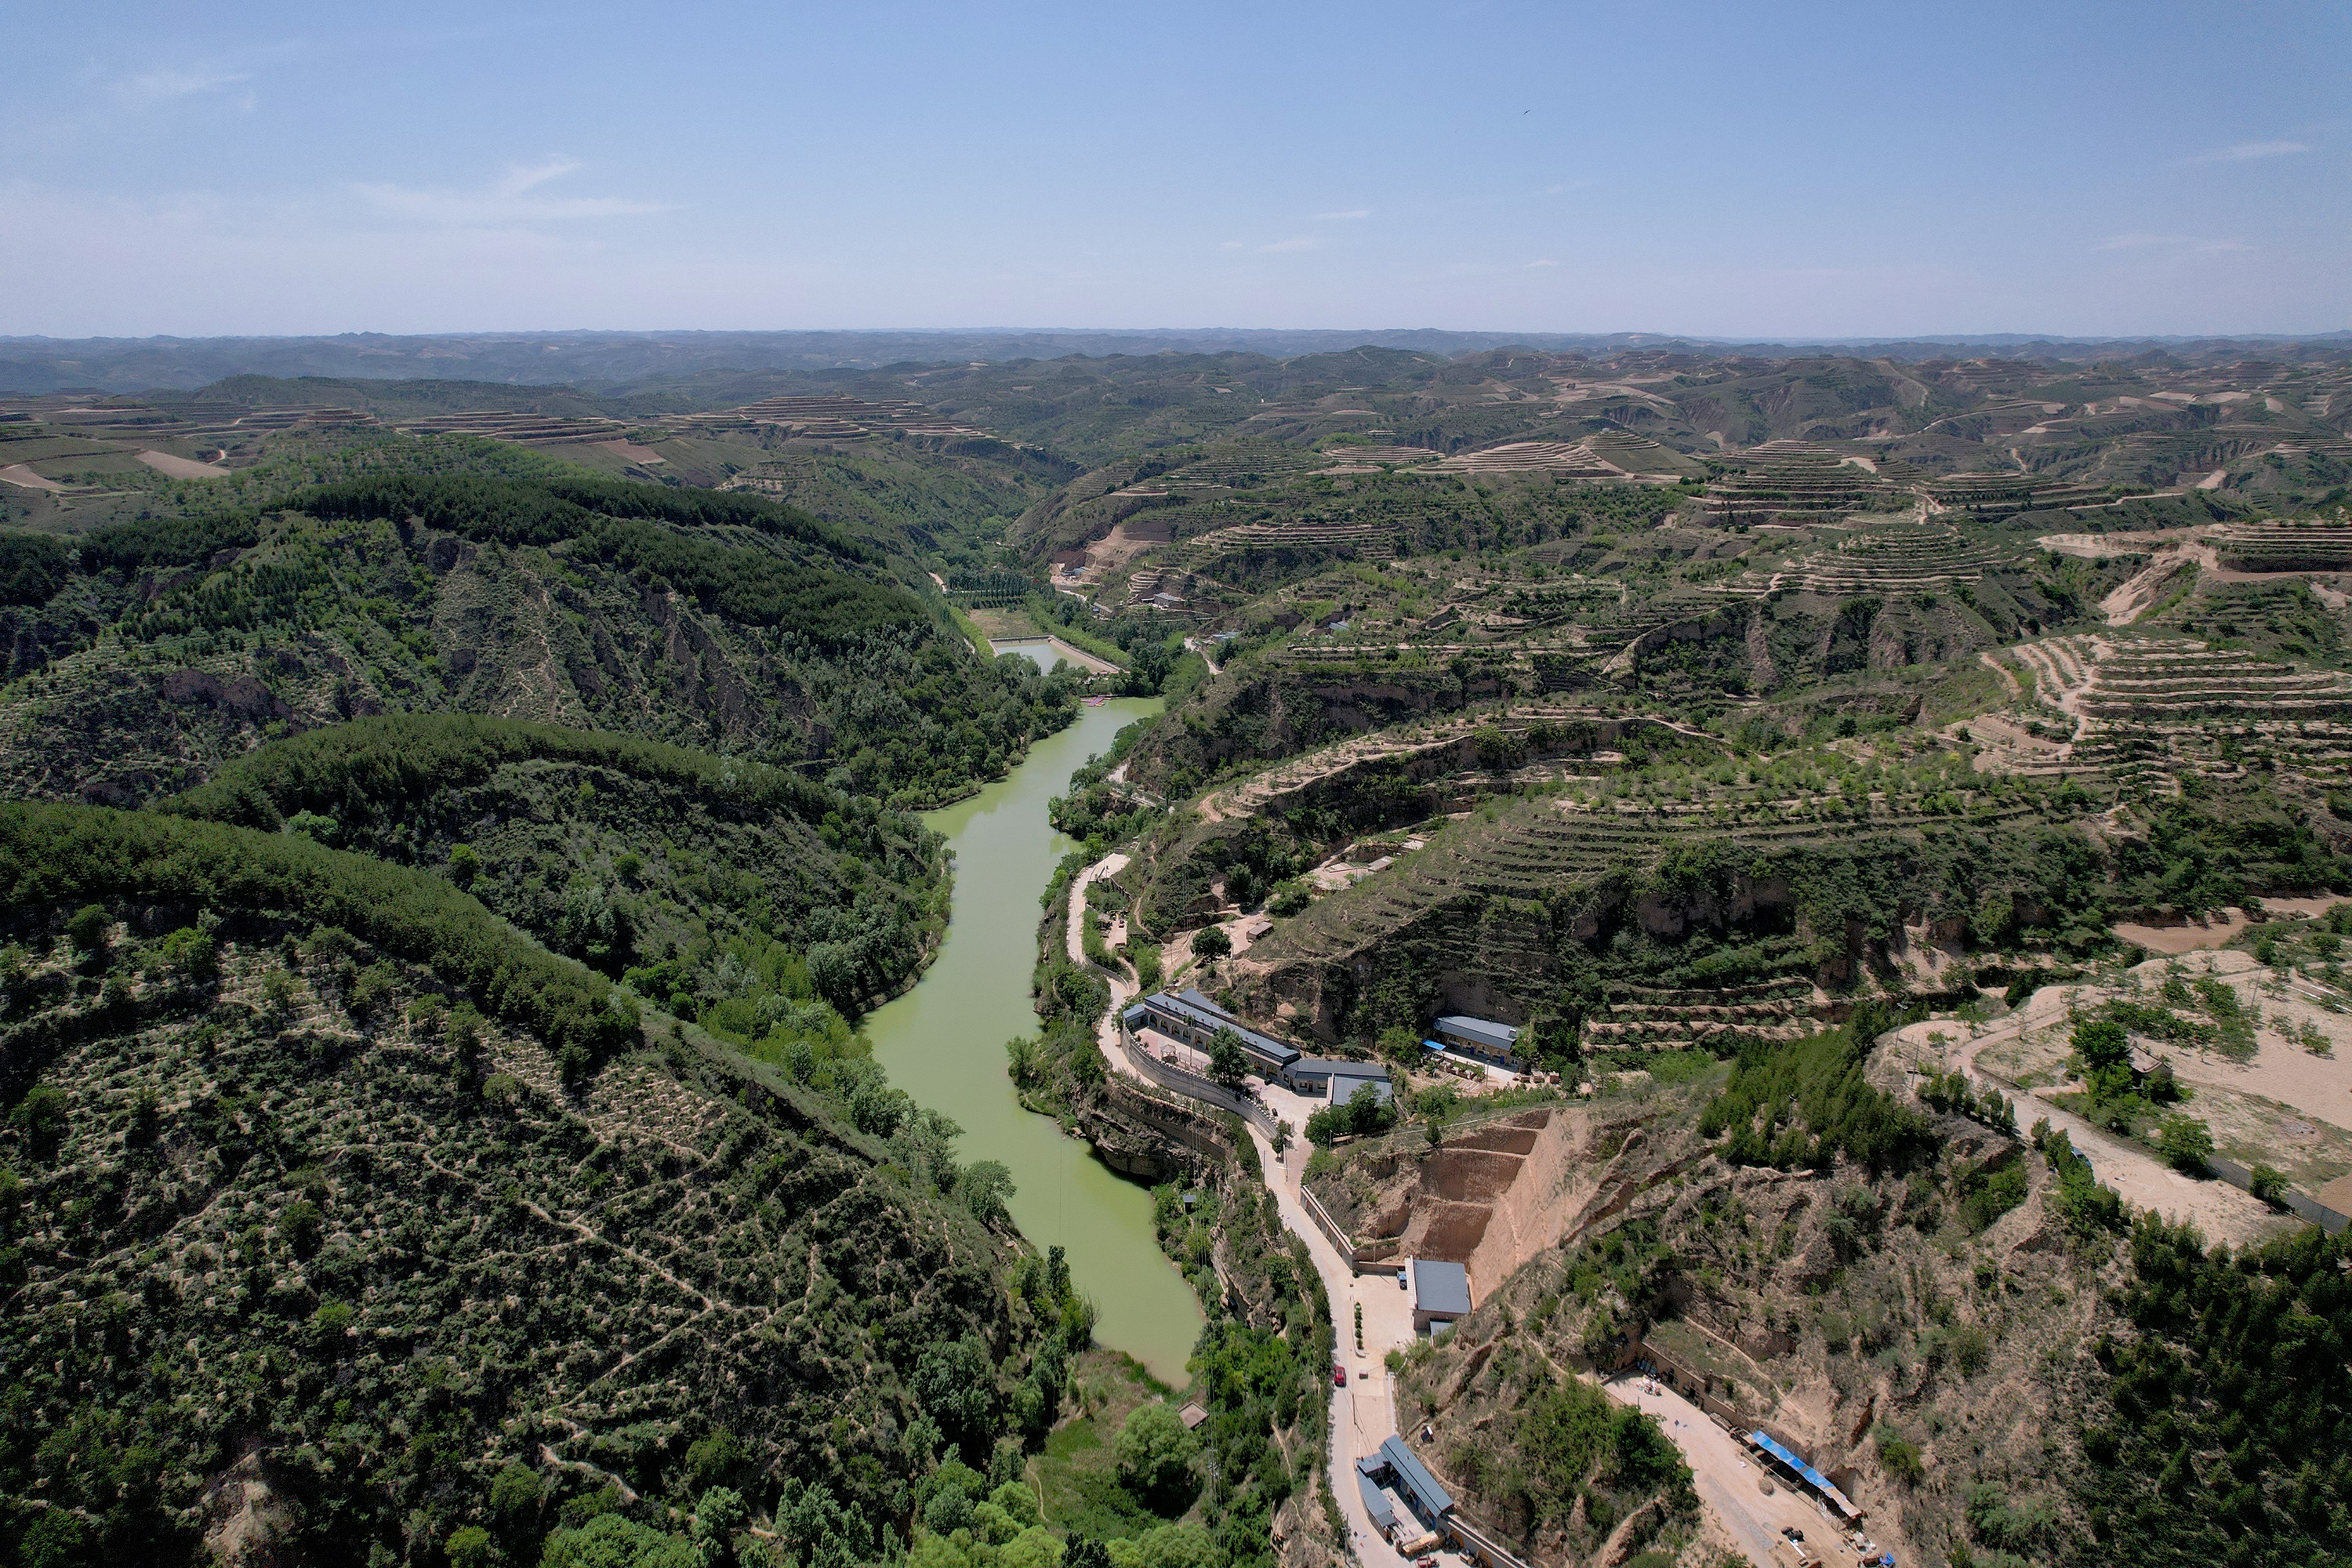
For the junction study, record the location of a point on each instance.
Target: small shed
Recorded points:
(1765, 1443)
(1441, 1294)
(1191, 1415)
(1376, 1499)
(1348, 1078)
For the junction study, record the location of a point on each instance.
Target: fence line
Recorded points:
(1193, 1086)
(2305, 1206)
(1179, 1119)
(1386, 1143)
(1330, 1226)
(1482, 1545)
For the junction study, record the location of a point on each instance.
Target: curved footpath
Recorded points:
(1122, 990)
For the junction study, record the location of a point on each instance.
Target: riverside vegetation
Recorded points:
(445, 873)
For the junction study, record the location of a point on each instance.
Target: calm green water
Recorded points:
(1045, 657)
(943, 1043)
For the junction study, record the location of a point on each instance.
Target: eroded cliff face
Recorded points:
(1509, 959)
(1492, 1198)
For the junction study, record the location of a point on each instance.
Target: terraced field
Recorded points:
(2300, 544)
(1640, 455)
(1374, 459)
(842, 418)
(1891, 558)
(2154, 682)
(1560, 458)
(1719, 1018)
(2145, 710)
(2000, 494)
(1261, 790)
(531, 428)
(1369, 541)
(1232, 465)
(1800, 478)
(1484, 892)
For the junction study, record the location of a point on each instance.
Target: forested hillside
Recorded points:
(353, 1212)
(313, 1240)
(721, 621)
(722, 889)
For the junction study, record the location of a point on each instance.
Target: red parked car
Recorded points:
(1339, 1377)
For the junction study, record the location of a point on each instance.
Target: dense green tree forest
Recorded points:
(722, 889)
(726, 622)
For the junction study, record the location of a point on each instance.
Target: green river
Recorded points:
(943, 1043)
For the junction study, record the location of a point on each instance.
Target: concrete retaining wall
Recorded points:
(1173, 1120)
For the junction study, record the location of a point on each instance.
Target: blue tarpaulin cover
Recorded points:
(1813, 1477)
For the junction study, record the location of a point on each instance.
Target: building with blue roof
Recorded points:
(1789, 1460)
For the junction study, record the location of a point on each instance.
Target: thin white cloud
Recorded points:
(2246, 152)
(1232, 245)
(508, 200)
(1545, 261)
(1301, 244)
(2197, 244)
(1342, 217)
(168, 85)
(520, 177)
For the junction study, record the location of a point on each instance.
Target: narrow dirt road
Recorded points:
(1725, 1479)
(1122, 988)
(2220, 1210)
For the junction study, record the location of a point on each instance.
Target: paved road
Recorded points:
(1362, 1414)
(1122, 991)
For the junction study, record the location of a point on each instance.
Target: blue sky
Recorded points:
(1755, 170)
